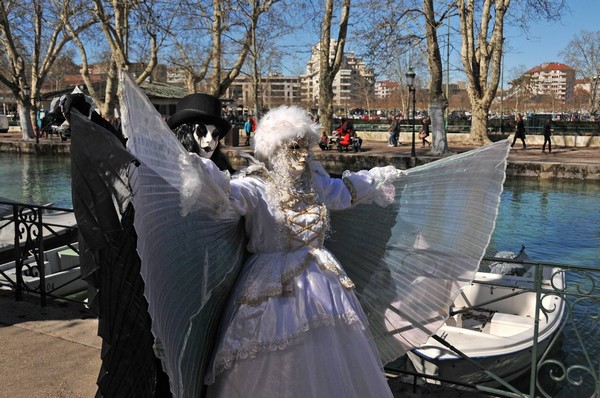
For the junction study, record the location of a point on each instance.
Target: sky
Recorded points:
(547, 39)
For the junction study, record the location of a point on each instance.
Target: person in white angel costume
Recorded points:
(294, 309)
(295, 323)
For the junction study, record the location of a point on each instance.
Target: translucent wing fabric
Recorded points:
(410, 259)
(189, 257)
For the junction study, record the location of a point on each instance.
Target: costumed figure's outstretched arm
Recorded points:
(190, 240)
(364, 187)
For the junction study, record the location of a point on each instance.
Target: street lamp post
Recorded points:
(410, 82)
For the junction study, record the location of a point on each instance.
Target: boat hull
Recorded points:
(60, 230)
(508, 367)
(62, 273)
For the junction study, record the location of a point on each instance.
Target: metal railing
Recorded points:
(34, 229)
(563, 365)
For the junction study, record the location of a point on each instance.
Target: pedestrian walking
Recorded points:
(519, 131)
(547, 134)
(394, 131)
(248, 130)
(425, 132)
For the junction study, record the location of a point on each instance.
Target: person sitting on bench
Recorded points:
(345, 141)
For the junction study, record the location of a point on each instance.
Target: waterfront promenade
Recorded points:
(581, 163)
(55, 351)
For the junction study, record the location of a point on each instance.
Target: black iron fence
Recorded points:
(507, 126)
(33, 239)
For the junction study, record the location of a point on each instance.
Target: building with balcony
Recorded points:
(352, 85)
(554, 79)
(275, 90)
(386, 88)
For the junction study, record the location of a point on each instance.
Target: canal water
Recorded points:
(36, 179)
(557, 221)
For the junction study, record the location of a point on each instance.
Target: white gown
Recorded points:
(293, 326)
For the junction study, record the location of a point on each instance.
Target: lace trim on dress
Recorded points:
(225, 359)
(351, 188)
(254, 297)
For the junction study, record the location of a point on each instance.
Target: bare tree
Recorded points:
(482, 33)
(583, 54)
(329, 63)
(521, 86)
(63, 66)
(262, 51)
(399, 30)
(133, 32)
(217, 57)
(437, 99)
(481, 57)
(363, 96)
(32, 35)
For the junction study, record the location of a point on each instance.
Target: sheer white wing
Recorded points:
(409, 260)
(189, 240)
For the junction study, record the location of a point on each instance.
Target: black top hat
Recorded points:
(202, 108)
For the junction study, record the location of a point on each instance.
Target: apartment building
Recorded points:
(386, 88)
(552, 78)
(275, 89)
(352, 84)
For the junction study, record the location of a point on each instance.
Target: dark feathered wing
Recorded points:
(109, 262)
(410, 259)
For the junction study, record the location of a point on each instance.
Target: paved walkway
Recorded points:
(47, 352)
(532, 154)
(569, 163)
(54, 352)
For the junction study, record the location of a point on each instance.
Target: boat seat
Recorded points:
(68, 258)
(508, 324)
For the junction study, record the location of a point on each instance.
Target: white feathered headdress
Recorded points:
(283, 126)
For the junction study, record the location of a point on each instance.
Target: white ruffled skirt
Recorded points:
(310, 339)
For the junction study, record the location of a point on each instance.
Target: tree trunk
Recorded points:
(437, 111)
(326, 106)
(25, 122)
(479, 118)
(437, 99)
(327, 70)
(107, 108)
(481, 53)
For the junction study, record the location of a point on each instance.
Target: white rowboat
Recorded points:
(492, 322)
(62, 272)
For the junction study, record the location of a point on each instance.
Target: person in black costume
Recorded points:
(199, 126)
(109, 260)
